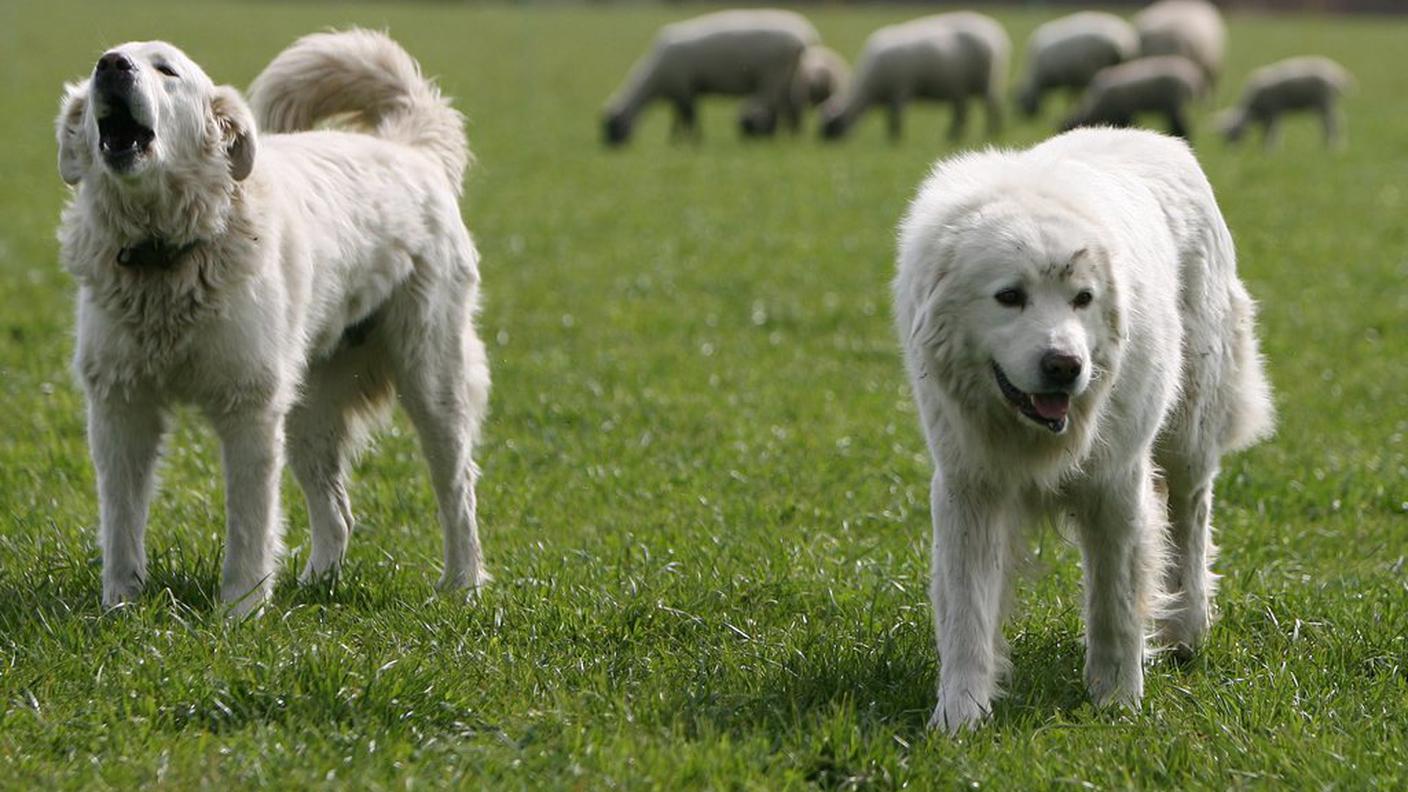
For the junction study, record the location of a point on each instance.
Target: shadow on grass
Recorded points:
(885, 688)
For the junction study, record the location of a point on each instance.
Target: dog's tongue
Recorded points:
(1051, 406)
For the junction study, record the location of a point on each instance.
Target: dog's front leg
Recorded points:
(124, 436)
(971, 535)
(252, 446)
(1120, 534)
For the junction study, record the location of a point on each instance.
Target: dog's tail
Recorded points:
(362, 78)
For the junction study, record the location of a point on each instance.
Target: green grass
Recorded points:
(705, 494)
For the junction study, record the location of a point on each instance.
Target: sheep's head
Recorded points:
(616, 128)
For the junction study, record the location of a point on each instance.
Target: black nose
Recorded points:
(113, 62)
(1059, 368)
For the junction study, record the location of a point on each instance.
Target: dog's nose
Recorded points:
(114, 62)
(1059, 368)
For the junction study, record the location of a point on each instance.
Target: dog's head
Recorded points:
(1021, 313)
(147, 109)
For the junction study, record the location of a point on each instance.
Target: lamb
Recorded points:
(1191, 28)
(1308, 83)
(1067, 52)
(945, 58)
(1163, 84)
(752, 53)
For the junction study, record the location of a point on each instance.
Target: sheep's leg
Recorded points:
(1330, 120)
(896, 118)
(1271, 132)
(1178, 123)
(960, 119)
(993, 104)
(686, 123)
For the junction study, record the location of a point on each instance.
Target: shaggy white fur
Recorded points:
(285, 284)
(1080, 348)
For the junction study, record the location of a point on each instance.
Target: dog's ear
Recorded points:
(236, 124)
(75, 157)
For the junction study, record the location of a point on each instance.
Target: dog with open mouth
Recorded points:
(286, 281)
(1080, 349)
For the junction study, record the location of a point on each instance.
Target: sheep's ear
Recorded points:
(75, 156)
(236, 124)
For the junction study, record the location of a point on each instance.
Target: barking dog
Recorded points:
(286, 282)
(1075, 331)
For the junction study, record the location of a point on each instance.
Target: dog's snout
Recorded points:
(1059, 368)
(113, 62)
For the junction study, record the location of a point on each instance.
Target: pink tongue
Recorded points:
(1051, 406)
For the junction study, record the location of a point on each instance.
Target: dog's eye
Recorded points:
(1083, 298)
(1012, 298)
(167, 70)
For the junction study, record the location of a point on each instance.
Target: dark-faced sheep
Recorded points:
(942, 58)
(1066, 53)
(1163, 85)
(1306, 84)
(753, 54)
(1191, 28)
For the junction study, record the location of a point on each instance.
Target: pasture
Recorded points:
(704, 497)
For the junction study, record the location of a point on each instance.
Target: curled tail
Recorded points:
(364, 78)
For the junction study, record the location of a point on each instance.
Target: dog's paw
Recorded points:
(466, 583)
(958, 712)
(243, 602)
(119, 595)
(1182, 631)
(1113, 685)
(315, 573)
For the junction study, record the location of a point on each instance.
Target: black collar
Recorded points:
(153, 253)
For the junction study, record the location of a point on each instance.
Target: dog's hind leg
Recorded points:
(442, 377)
(340, 396)
(125, 436)
(1188, 575)
(973, 530)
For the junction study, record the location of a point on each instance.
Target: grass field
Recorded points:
(705, 493)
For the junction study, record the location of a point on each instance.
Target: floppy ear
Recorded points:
(75, 157)
(236, 124)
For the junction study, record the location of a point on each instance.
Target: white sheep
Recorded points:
(823, 74)
(752, 53)
(1191, 28)
(1309, 83)
(1067, 52)
(1162, 84)
(944, 58)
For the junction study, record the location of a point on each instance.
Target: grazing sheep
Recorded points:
(944, 58)
(1146, 85)
(1308, 83)
(752, 53)
(1191, 28)
(823, 74)
(1067, 52)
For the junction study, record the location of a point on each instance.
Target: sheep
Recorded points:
(944, 57)
(1191, 28)
(752, 53)
(1306, 83)
(1067, 52)
(823, 74)
(1162, 84)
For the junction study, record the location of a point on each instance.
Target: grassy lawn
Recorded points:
(705, 493)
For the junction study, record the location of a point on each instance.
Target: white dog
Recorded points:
(285, 284)
(1079, 347)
